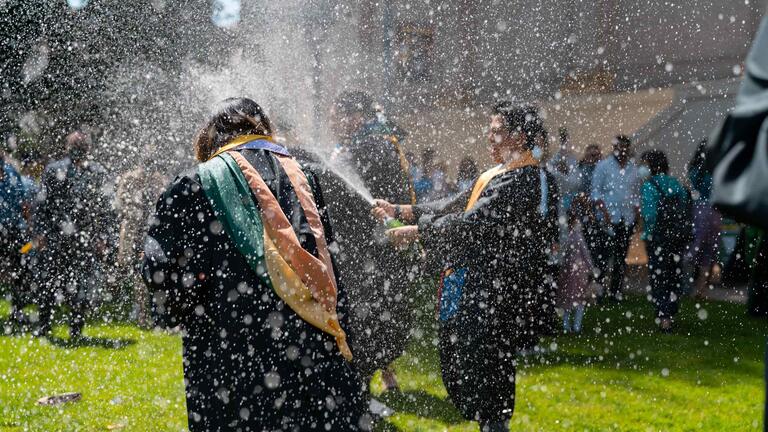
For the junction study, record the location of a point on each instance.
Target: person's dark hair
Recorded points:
(622, 140)
(657, 161)
(699, 158)
(520, 118)
(467, 169)
(231, 118)
(355, 102)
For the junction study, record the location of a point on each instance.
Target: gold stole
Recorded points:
(524, 159)
(307, 284)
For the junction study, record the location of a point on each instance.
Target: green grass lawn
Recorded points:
(620, 375)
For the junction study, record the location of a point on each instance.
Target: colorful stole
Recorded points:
(266, 238)
(265, 143)
(525, 159)
(405, 166)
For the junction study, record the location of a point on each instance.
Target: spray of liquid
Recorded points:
(346, 174)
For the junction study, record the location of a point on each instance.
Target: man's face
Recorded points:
(497, 136)
(501, 140)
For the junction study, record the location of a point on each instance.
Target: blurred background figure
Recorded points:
(591, 227)
(380, 280)
(576, 269)
(424, 184)
(74, 225)
(137, 189)
(16, 195)
(667, 231)
(615, 193)
(707, 222)
(466, 175)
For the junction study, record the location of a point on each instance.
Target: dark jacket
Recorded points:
(379, 279)
(376, 155)
(250, 362)
(75, 216)
(500, 241)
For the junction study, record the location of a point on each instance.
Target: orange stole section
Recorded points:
(524, 159)
(307, 284)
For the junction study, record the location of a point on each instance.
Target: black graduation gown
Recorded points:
(250, 362)
(500, 242)
(379, 279)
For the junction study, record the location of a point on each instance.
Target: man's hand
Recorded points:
(382, 210)
(402, 237)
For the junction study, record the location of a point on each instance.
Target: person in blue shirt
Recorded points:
(615, 194)
(664, 200)
(14, 198)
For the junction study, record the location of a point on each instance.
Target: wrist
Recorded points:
(398, 212)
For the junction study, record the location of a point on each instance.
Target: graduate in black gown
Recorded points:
(490, 241)
(238, 253)
(379, 279)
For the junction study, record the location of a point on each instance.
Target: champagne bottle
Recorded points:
(391, 222)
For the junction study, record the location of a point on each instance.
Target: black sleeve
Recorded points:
(505, 205)
(176, 256)
(342, 307)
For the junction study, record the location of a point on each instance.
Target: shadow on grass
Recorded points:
(422, 404)
(91, 342)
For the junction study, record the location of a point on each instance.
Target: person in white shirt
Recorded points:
(615, 193)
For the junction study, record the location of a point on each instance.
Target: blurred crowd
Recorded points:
(73, 238)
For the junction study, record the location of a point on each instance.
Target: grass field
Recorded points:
(620, 375)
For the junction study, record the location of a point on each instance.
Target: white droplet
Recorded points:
(272, 380)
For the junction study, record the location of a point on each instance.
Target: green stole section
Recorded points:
(231, 199)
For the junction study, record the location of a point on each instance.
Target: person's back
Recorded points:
(667, 222)
(74, 220)
(255, 358)
(666, 211)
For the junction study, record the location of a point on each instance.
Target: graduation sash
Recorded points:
(525, 159)
(265, 237)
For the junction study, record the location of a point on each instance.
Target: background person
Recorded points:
(576, 270)
(239, 248)
(666, 212)
(497, 276)
(615, 192)
(16, 197)
(707, 221)
(74, 225)
(591, 226)
(136, 190)
(466, 175)
(379, 279)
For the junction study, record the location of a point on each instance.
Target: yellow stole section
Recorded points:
(242, 139)
(406, 167)
(304, 282)
(524, 159)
